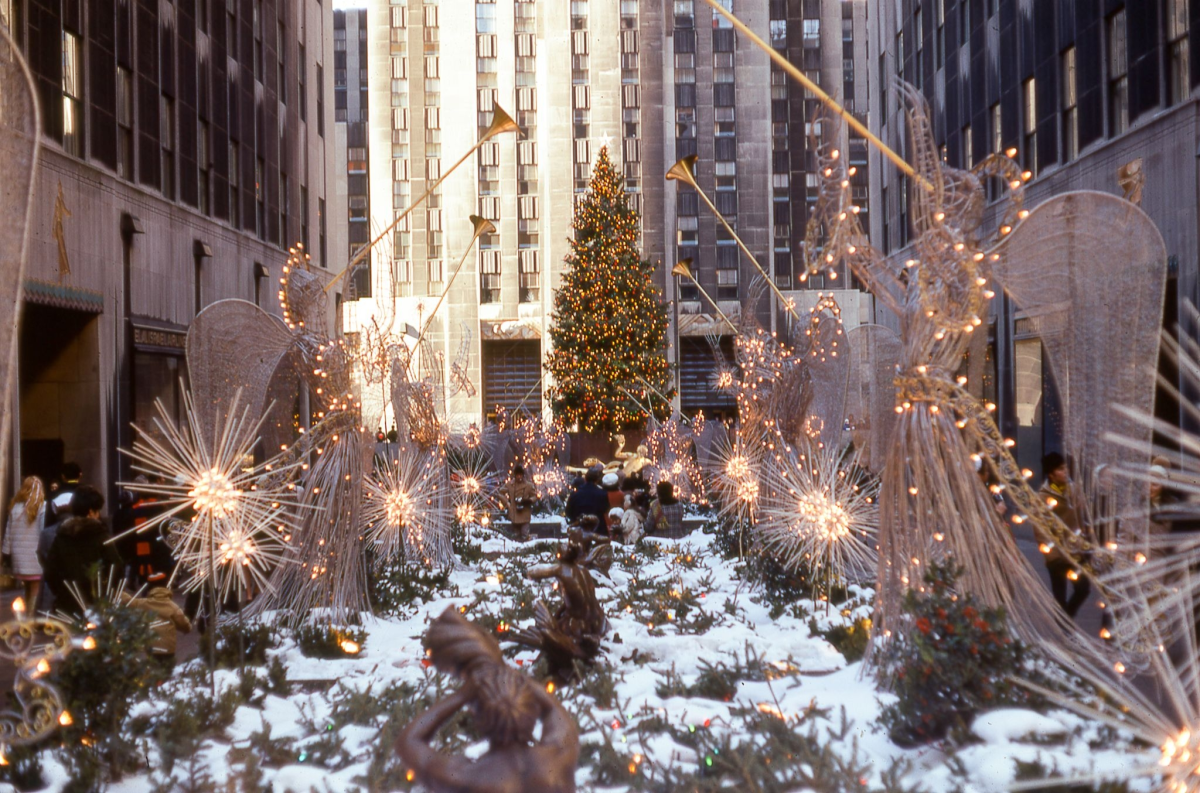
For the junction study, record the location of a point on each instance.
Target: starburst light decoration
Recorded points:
(818, 511)
(406, 509)
(240, 555)
(736, 473)
(472, 487)
(217, 482)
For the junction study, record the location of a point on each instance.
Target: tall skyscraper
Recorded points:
(653, 80)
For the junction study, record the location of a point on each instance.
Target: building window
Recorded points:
(167, 138)
(919, 55)
(204, 164)
(968, 148)
(964, 22)
(320, 101)
(260, 281)
(1070, 111)
(72, 90)
(260, 210)
(231, 31)
(1029, 92)
(202, 15)
(1118, 77)
(281, 55)
(235, 192)
(321, 240)
(1178, 80)
(301, 95)
(260, 65)
(304, 218)
(124, 123)
(997, 130)
(939, 44)
(285, 239)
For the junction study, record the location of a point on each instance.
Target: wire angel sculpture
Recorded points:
(459, 375)
(671, 449)
(1148, 568)
(19, 145)
(931, 502)
(235, 345)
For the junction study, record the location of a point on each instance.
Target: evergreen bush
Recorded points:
(957, 660)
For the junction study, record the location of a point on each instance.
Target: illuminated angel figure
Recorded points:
(406, 508)
(930, 499)
(818, 511)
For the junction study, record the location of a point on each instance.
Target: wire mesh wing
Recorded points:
(234, 344)
(1088, 269)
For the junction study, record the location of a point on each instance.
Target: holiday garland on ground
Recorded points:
(609, 324)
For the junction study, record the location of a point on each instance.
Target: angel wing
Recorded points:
(19, 125)
(234, 344)
(1088, 269)
(827, 358)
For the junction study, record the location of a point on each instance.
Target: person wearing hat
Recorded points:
(1057, 492)
(611, 482)
(521, 496)
(168, 618)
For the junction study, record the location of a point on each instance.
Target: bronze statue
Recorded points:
(573, 632)
(507, 705)
(596, 551)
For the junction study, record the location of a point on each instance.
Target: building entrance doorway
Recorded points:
(60, 414)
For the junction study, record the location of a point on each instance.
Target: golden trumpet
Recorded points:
(501, 123)
(825, 98)
(482, 226)
(683, 268)
(684, 170)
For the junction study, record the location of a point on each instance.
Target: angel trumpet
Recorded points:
(683, 268)
(684, 170)
(501, 123)
(825, 98)
(482, 226)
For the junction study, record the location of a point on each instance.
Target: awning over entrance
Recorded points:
(45, 293)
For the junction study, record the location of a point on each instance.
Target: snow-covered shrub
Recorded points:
(99, 688)
(956, 660)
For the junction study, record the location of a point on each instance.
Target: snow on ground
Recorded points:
(652, 715)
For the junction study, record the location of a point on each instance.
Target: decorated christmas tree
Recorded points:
(609, 325)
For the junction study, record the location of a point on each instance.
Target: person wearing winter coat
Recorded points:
(81, 555)
(588, 498)
(1059, 497)
(521, 496)
(665, 518)
(169, 619)
(26, 516)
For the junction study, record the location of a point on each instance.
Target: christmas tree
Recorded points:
(609, 324)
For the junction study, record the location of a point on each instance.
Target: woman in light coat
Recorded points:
(26, 515)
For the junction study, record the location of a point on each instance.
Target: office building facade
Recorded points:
(184, 150)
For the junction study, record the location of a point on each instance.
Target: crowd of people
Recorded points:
(622, 504)
(56, 535)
